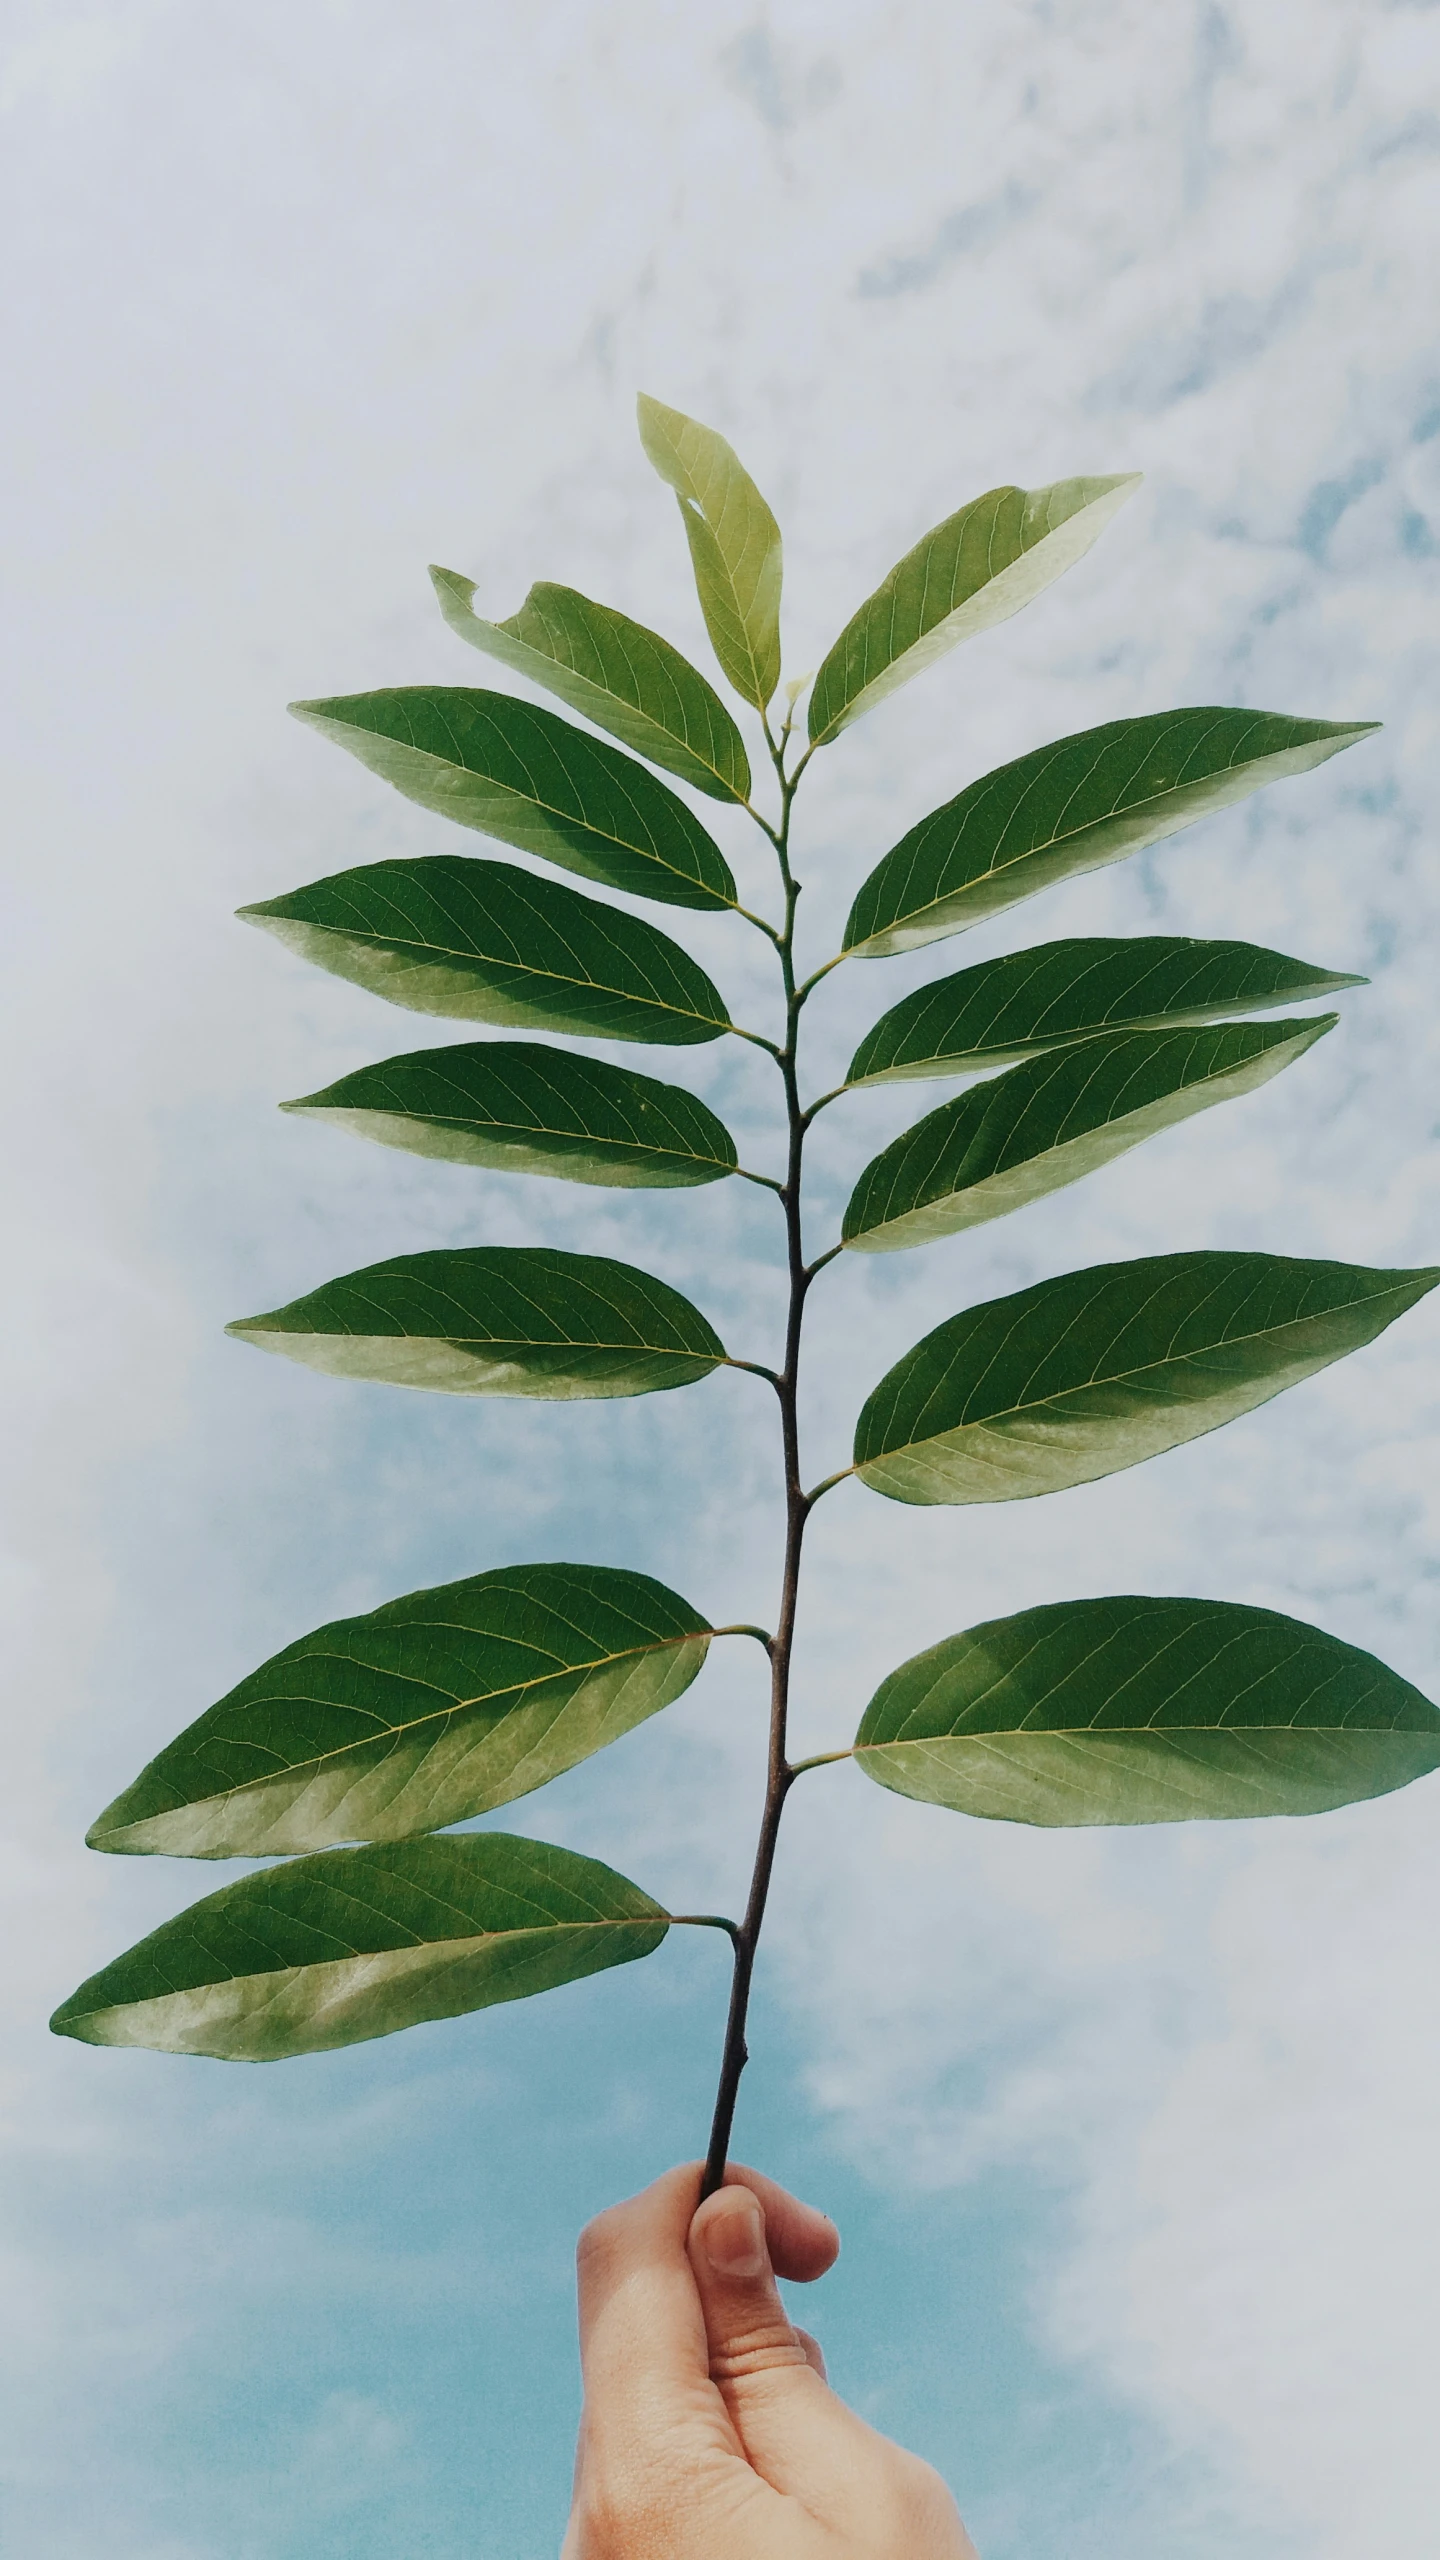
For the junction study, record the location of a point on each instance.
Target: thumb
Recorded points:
(747, 2329)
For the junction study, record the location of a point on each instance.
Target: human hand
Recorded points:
(709, 2431)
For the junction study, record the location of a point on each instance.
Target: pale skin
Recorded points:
(709, 2429)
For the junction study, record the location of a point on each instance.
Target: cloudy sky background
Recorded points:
(1132, 2137)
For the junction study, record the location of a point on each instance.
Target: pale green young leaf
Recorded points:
(1097, 1370)
(974, 570)
(329, 1951)
(511, 770)
(1054, 1118)
(496, 1320)
(1026, 1002)
(1074, 806)
(519, 1107)
(487, 942)
(418, 1714)
(734, 543)
(1139, 1710)
(616, 673)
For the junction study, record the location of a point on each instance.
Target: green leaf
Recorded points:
(1029, 1001)
(418, 1714)
(1074, 806)
(1135, 1710)
(1097, 1370)
(623, 677)
(974, 570)
(333, 1950)
(734, 545)
(496, 1320)
(511, 770)
(486, 942)
(522, 1108)
(1055, 1118)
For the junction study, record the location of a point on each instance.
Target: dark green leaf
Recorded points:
(1097, 1370)
(623, 677)
(497, 1320)
(332, 1950)
(1133, 1710)
(1055, 1118)
(421, 1713)
(522, 1108)
(511, 770)
(485, 942)
(974, 570)
(734, 545)
(1074, 806)
(1028, 1001)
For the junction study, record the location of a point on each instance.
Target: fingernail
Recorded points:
(734, 2237)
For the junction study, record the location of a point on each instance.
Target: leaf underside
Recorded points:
(425, 1712)
(1080, 1376)
(329, 1951)
(1054, 1118)
(974, 570)
(1138, 1710)
(1026, 1002)
(616, 673)
(484, 942)
(511, 770)
(496, 1320)
(519, 1107)
(735, 548)
(1073, 806)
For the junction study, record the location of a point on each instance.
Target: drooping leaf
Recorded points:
(1028, 1001)
(486, 942)
(1079, 1376)
(421, 1713)
(1074, 806)
(974, 570)
(514, 771)
(497, 1320)
(623, 677)
(734, 544)
(1054, 1118)
(519, 1107)
(1137, 1710)
(329, 1951)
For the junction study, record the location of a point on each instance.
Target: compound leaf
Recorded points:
(1054, 1118)
(329, 1951)
(1097, 1370)
(511, 770)
(1074, 806)
(1028, 1001)
(974, 570)
(497, 1320)
(623, 677)
(734, 544)
(486, 942)
(1138, 1710)
(519, 1107)
(421, 1713)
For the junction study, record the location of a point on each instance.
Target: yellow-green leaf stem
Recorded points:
(734, 540)
(974, 570)
(614, 672)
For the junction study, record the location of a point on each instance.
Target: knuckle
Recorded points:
(770, 2347)
(600, 2241)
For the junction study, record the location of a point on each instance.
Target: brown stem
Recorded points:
(797, 1508)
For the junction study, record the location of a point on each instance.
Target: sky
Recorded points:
(1131, 2136)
